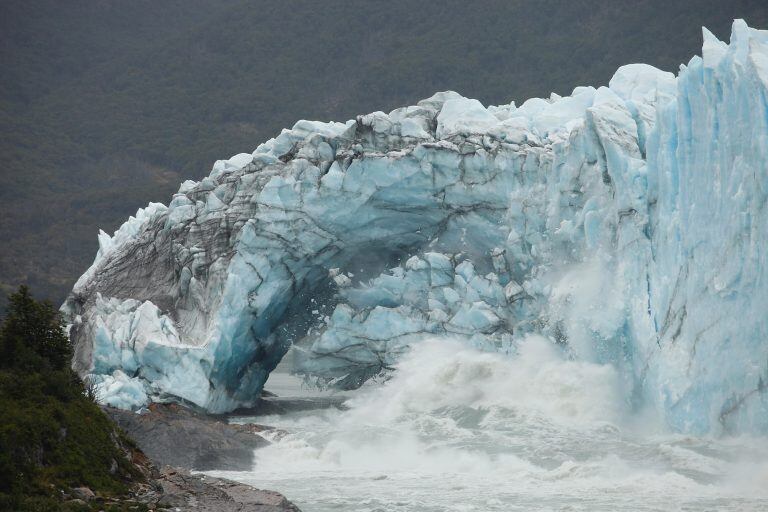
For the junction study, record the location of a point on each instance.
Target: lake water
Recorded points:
(461, 430)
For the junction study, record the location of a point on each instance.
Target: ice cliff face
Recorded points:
(626, 223)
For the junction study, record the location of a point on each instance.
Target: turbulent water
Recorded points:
(456, 429)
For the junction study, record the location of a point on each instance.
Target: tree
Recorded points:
(32, 335)
(53, 435)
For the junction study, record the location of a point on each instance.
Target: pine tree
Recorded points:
(32, 335)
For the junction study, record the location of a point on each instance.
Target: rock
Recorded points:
(83, 493)
(207, 494)
(172, 500)
(284, 405)
(174, 435)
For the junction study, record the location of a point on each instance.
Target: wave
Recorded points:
(456, 428)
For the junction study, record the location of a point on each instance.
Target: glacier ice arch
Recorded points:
(627, 223)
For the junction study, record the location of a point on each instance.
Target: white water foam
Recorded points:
(456, 429)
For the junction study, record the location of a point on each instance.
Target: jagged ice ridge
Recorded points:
(626, 223)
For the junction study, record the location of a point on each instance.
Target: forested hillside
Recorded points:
(53, 436)
(106, 105)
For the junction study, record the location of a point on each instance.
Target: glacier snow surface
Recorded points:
(627, 224)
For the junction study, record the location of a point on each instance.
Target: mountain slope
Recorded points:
(106, 106)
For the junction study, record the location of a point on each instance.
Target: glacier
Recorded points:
(627, 224)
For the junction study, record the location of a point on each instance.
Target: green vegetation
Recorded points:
(53, 437)
(107, 105)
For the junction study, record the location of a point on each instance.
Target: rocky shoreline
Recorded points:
(173, 435)
(172, 441)
(181, 491)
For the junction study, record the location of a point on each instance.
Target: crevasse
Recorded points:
(627, 224)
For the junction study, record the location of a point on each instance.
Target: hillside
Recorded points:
(54, 439)
(59, 451)
(106, 106)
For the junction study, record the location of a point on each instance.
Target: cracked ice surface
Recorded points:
(627, 223)
(429, 295)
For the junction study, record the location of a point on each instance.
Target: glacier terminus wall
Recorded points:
(627, 224)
